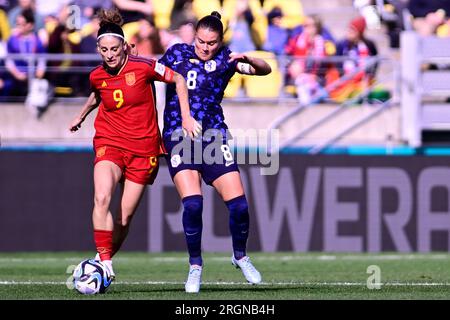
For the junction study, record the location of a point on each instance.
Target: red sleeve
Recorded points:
(159, 72)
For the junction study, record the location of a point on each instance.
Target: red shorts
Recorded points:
(141, 170)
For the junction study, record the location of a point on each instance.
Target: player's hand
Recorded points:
(191, 127)
(76, 124)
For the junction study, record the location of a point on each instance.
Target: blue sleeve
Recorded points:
(233, 65)
(168, 57)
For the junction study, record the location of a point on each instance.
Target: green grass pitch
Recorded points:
(293, 276)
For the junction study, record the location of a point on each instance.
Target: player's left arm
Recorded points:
(250, 65)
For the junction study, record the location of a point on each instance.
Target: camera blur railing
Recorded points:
(79, 64)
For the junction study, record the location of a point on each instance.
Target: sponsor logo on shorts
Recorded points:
(175, 160)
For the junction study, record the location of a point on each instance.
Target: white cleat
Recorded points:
(194, 279)
(108, 265)
(250, 273)
(97, 257)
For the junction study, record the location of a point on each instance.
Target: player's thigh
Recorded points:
(188, 183)
(229, 185)
(106, 176)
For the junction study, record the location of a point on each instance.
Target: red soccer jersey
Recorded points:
(127, 117)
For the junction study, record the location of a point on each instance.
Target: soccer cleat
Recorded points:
(194, 279)
(250, 273)
(108, 265)
(97, 257)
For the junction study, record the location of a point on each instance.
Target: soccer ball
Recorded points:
(91, 277)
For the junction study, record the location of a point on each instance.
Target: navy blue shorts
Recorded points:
(210, 159)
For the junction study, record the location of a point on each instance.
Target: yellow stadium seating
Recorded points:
(162, 11)
(266, 86)
(205, 7)
(256, 86)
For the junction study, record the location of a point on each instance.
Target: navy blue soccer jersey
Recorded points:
(206, 82)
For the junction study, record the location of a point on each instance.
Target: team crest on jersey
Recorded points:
(101, 152)
(130, 78)
(210, 65)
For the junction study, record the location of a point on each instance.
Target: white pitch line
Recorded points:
(302, 257)
(223, 283)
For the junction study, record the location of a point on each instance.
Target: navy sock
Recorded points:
(192, 224)
(239, 225)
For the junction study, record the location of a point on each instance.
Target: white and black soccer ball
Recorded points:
(91, 277)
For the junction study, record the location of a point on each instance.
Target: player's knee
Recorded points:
(193, 205)
(238, 208)
(102, 200)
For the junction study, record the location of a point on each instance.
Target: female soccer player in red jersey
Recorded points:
(127, 141)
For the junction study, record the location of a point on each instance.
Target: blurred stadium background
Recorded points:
(363, 144)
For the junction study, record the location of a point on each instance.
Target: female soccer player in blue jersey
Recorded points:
(207, 66)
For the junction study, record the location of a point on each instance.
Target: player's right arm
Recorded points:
(190, 126)
(92, 103)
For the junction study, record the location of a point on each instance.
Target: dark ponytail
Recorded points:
(211, 22)
(110, 23)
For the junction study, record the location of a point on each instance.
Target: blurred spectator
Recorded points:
(240, 37)
(7, 5)
(168, 38)
(88, 45)
(292, 11)
(64, 78)
(186, 32)
(89, 7)
(357, 48)
(134, 10)
(182, 11)
(306, 71)
(277, 36)
(369, 9)
(244, 19)
(421, 8)
(88, 42)
(428, 14)
(392, 14)
(22, 5)
(24, 40)
(147, 40)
